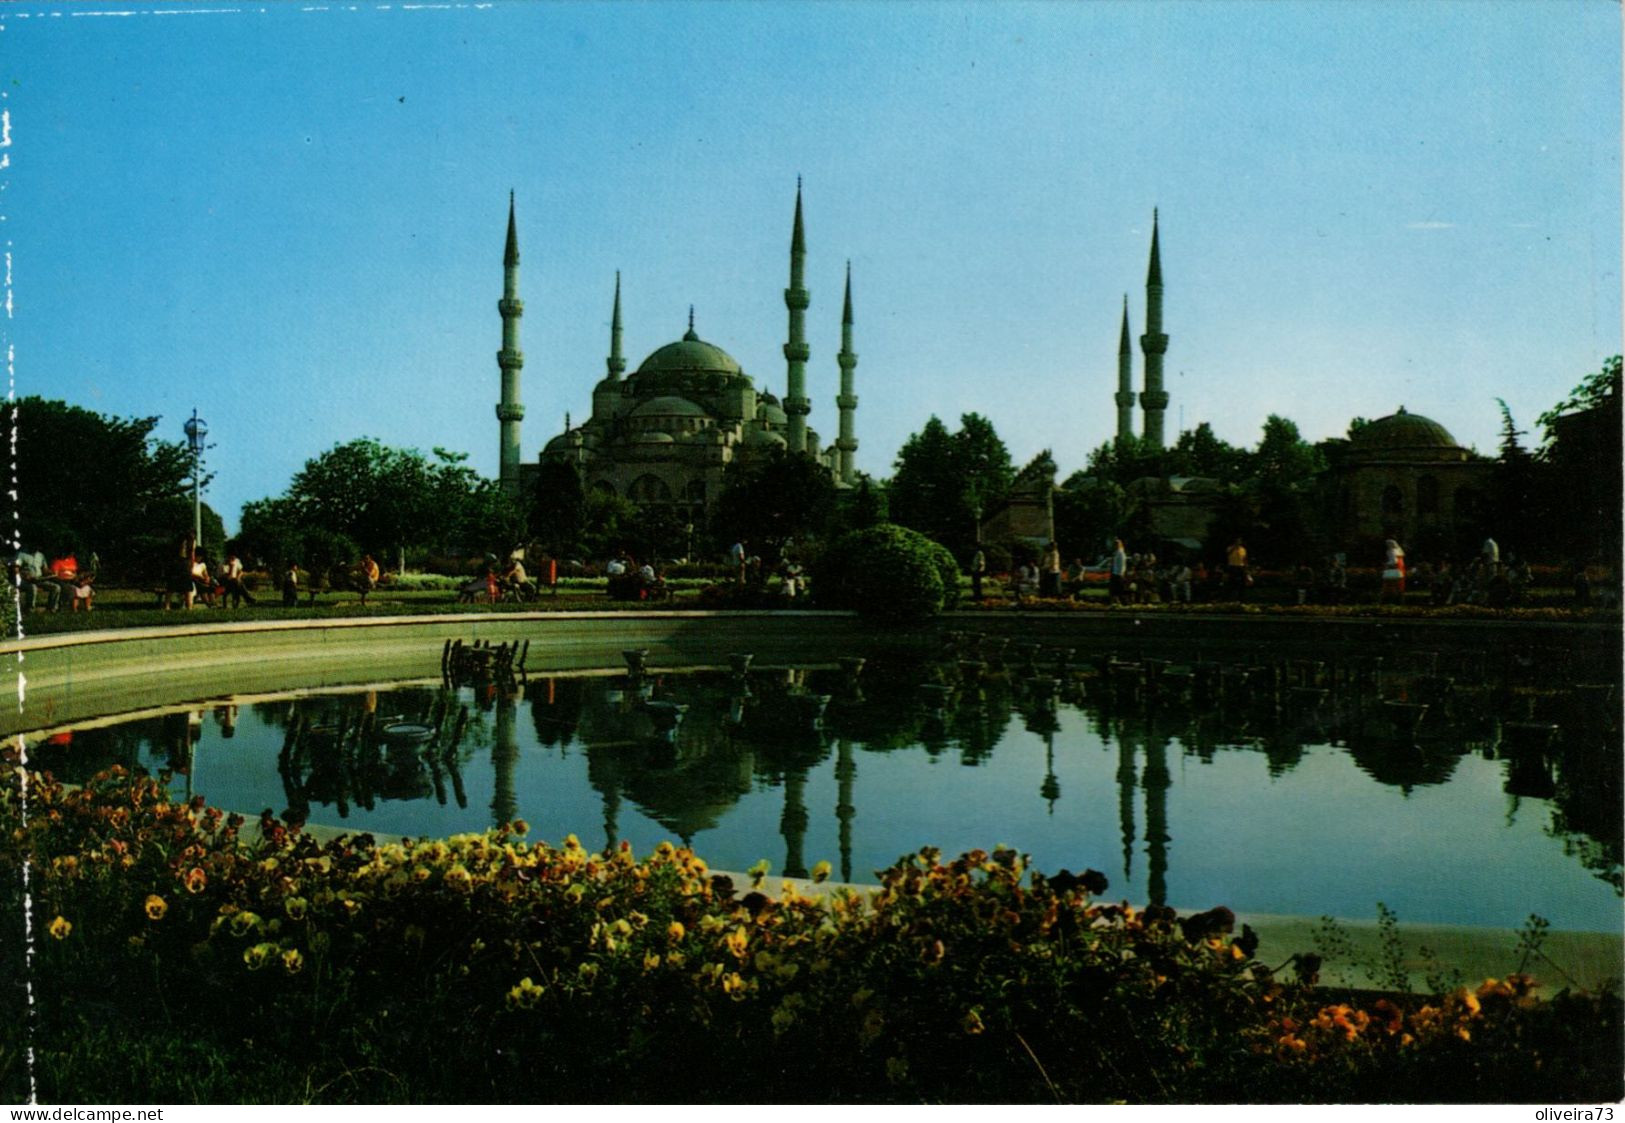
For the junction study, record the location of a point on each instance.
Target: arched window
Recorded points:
(1393, 500)
(604, 486)
(1427, 496)
(649, 489)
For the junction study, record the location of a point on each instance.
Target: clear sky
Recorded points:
(290, 217)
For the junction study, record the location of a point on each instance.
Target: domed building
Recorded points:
(666, 433)
(1404, 476)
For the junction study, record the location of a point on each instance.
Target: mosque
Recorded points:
(666, 433)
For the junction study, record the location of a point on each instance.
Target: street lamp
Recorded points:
(196, 430)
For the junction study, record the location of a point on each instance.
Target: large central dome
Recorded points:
(690, 355)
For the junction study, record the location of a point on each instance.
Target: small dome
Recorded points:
(761, 438)
(770, 412)
(1403, 431)
(690, 355)
(668, 405)
(564, 442)
(653, 438)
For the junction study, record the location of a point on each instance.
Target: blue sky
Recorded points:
(290, 217)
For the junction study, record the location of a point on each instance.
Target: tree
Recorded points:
(1601, 388)
(558, 508)
(384, 501)
(1578, 467)
(1090, 513)
(861, 507)
(87, 482)
(607, 524)
(1514, 490)
(943, 481)
(768, 502)
(1200, 452)
(1283, 457)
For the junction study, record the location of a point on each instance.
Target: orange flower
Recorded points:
(60, 927)
(156, 907)
(196, 879)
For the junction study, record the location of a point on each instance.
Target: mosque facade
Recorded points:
(666, 433)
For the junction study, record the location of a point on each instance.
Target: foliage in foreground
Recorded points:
(175, 960)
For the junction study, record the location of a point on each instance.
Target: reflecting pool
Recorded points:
(1453, 791)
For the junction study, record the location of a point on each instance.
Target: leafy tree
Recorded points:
(1200, 452)
(1514, 489)
(558, 508)
(1089, 513)
(607, 524)
(1601, 388)
(1283, 457)
(1579, 478)
(88, 482)
(943, 479)
(656, 533)
(863, 506)
(385, 501)
(768, 502)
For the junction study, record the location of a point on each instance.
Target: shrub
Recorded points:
(885, 571)
(947, 572)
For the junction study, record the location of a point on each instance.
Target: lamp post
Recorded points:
(196, 430)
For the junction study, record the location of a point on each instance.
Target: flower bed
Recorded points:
(174, 959)
(1328, 611)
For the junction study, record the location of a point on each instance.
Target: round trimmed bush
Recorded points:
(947, 571)
(886, 571)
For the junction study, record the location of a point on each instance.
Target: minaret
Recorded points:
(509, 410)
(606, 396)
(796, 298)
(1154, 399)
(1125, 381)
(847, 402)
(615, 362)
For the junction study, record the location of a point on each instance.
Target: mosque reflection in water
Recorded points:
(686, 750)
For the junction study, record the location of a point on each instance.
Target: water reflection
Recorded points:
(1058, 753)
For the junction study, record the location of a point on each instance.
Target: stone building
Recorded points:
(666, 433)
(1404, 476)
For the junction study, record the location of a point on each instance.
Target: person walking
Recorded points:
(978, 570)
(232, 578)
(1393, 573)
(290, 585)
(1117, 586)
(1052, 571)
(1235, 568)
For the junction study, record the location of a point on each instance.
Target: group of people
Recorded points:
(630, 581)
(1142, 579)
(1486, 579)
(191, 581)
(510, 579)
(61, 581)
